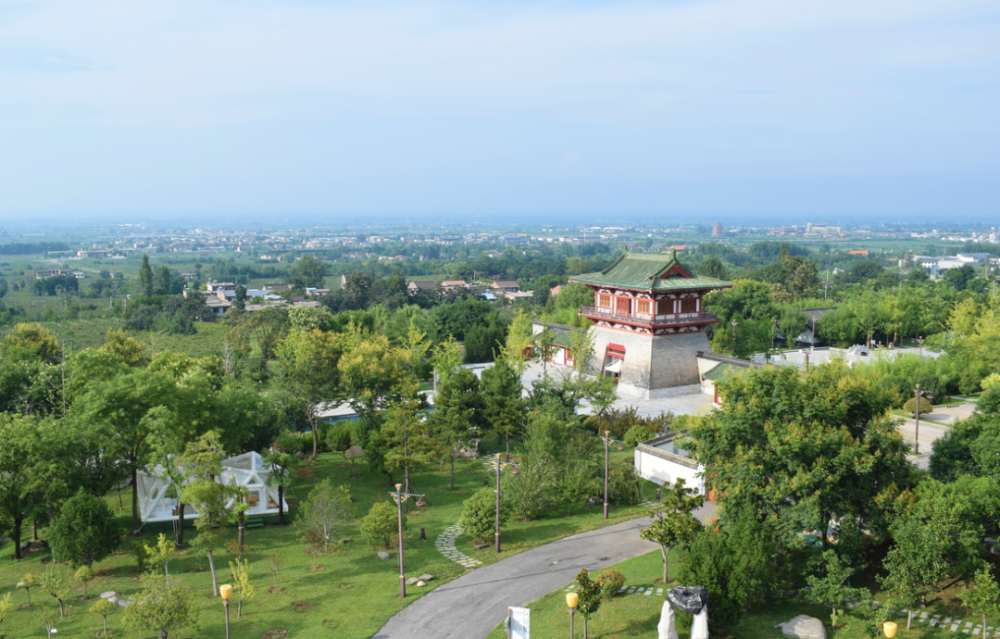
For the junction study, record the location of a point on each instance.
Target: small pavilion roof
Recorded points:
(649, 273)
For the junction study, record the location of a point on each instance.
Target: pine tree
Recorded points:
(146, 277)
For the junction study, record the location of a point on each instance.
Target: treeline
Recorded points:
(31, 248)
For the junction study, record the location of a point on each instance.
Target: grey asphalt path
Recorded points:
(472, 605)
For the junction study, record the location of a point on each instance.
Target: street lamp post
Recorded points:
(607, 444)
(734, 338)
(226, 591)
(399, 497)
(921, 340)
(572, 599)
(916, 430)
(499, 464)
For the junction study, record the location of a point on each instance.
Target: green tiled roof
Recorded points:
(641, 271)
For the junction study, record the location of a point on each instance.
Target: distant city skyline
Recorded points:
(737, 111)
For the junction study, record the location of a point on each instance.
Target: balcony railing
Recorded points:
(651, 320)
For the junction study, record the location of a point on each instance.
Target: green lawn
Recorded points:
(627, 616)
(350, 597)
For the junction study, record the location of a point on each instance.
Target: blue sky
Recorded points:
(735, 109)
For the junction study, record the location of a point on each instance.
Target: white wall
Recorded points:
(658, 471)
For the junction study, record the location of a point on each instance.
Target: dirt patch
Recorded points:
(343, 587)
(100, 634)
(315, 568)
(301, 606)
(329, 623)
(274, 590)
(274, 633)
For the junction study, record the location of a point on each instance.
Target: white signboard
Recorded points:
(519, 625)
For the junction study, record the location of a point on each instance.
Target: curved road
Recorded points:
(472, 605)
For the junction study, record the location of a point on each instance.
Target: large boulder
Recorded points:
(803, 627)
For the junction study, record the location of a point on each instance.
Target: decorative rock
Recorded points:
(480, 546)
(41, 544)
(123, 602)
(689, 599)
(383, 555)
(421, 583)
(803, 627)
(412, 581)
(109, 594)
(345, 540)
(426, 577)
(699, 626)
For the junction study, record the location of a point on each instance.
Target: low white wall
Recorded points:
(659, 470)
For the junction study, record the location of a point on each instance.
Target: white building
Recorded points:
(660, 461)
(157, 494)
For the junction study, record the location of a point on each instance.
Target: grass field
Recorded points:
(628, 616)
(351, 596)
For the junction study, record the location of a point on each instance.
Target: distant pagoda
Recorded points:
(648, 320)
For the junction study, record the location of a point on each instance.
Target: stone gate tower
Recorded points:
(648, 323)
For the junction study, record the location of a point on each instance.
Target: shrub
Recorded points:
(381, 523)
(911, 406)
(479, 515)
(85, 531)
(624, 484)
(610, 581)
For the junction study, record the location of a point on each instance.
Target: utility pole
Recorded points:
(916, 430)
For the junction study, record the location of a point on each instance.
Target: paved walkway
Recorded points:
(472, 605)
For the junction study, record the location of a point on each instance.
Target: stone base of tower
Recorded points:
(653, 366)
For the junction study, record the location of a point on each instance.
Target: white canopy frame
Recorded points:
(246, 471)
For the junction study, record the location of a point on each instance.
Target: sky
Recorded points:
(738, 110)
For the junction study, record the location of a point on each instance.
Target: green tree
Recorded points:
(103, 607)
(917, 562)
(527, 490)
(162, 553)
(590, 597)
(146, 277)
(671, 523)
(459, 410)
(984, 598)
(407, 433)
(370, 372)
(713, 267)
(515, 351)
(7, 603)
(54, 583)
(203, 461)
(545, 343)
(793, 322)
(479, 515)
(506, 411)
(160, 609)
(381, 523)
(325, 514)
(242, 571)
(84, 575)
(823, 448)
(311, 270)
(308, 370)
(830, 589)
(85, 531)
(282, 465)
(28, 581)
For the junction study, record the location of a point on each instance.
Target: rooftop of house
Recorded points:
(649, 273)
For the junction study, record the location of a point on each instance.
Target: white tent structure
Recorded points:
(158, 501)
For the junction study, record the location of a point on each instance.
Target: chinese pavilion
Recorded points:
(648, 322)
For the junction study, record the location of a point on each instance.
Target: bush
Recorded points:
(610, 581)
(624, 484)
(637, 434)
(85, 531)
(619, 422)
(382, 523)
(911, 406)
(479, 515)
